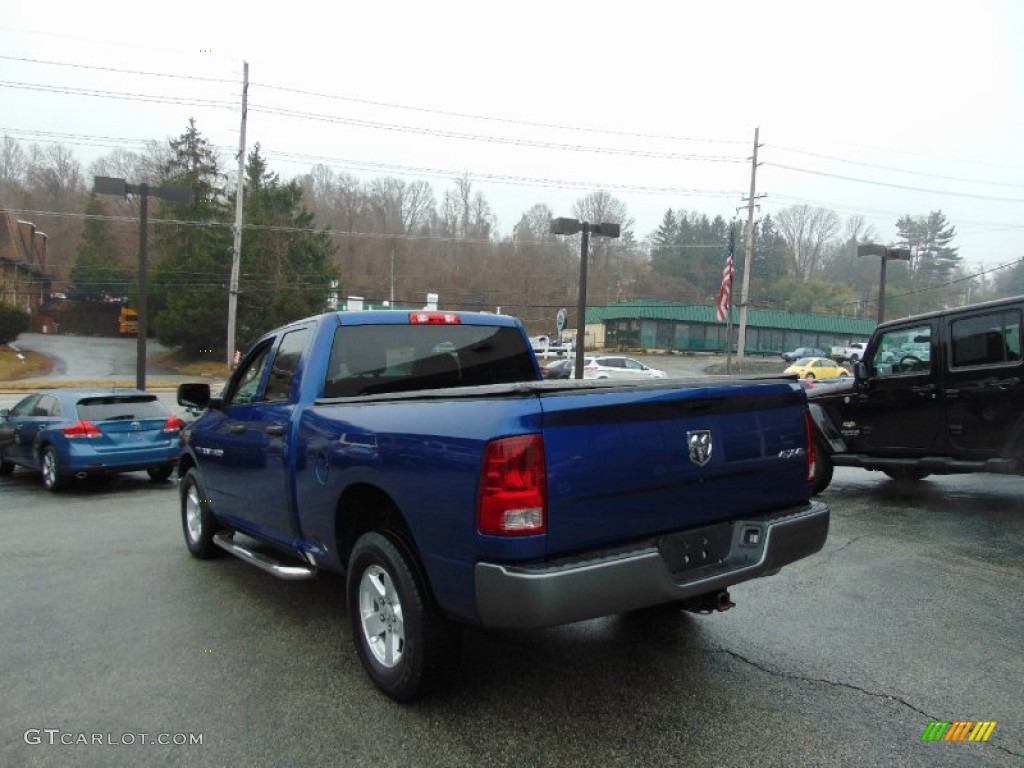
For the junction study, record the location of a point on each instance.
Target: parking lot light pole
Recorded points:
(104, 185)
(563, 226)
(887, 253)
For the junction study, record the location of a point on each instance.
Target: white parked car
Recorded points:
(618, 367)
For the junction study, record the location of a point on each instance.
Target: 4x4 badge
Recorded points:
(699, 441)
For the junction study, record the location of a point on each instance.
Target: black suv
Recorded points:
(939, 393)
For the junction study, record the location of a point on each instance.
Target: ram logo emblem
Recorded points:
(699, 442)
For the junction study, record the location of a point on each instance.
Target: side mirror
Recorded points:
(860, 371)
(194, 395)
(4, 413)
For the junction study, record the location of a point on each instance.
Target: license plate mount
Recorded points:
(696, 548)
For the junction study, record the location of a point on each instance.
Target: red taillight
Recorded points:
(513, 491)
(82, 428)
(812, 453)
(173, 424)
(434, 318)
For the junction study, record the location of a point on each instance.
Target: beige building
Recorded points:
(24, 275)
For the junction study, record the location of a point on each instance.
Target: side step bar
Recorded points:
(289, 572)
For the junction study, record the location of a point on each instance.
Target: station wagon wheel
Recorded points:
(52, 478)
(407, 647)
(159, 474)
(197, 520)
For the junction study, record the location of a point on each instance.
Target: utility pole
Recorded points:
(748, 260)
(236, 251)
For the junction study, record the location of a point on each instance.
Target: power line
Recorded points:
(899, 170)
(895, 186)
(118, 70)
(97, 93)
(502, 140)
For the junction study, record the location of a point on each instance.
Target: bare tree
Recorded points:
(808, 232)
(12, 161)
(400, 207)
(600, 206)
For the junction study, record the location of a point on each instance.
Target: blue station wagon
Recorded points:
(76, 433)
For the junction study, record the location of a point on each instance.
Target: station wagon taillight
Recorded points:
(513, 490)
(82, 428)
(173, 424)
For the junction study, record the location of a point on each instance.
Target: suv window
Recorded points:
(986, 340)
(903, 351)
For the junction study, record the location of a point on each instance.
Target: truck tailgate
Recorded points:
(629, 462)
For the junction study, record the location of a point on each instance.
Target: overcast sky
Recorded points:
(873, 108)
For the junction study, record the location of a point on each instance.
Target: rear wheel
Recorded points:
(159, 474)
(809, 376)
(404, 643)
(197, 520)
(6, 467)
(53, 480)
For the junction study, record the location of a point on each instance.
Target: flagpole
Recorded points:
(726, 289)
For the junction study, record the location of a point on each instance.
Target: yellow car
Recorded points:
(817, 368)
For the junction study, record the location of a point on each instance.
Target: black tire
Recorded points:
(823, 468)
(197, 520)
(404, 643)
(854, 358)
(809, 376)
(159, 474)
(907, 474)
(49, 465)
(6, 467)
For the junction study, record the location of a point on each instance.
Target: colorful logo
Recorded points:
(959, 730)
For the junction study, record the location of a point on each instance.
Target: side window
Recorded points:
(249, 378)
(985, 340)
(48, 406)
(25, 407)
(286, 362)
(902, 352)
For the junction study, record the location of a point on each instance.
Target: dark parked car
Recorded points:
(75, 433)
(799, 352)
(559, 369)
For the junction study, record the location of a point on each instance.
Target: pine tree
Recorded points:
(932, 259)
(286, 264)
(189, 301)
(96, 273)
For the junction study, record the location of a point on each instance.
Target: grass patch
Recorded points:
(191, 366)
(13, 367)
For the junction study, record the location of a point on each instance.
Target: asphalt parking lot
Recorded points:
(912, 613)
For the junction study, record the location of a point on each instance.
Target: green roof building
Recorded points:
(668, 326)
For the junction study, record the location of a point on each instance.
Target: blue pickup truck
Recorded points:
(423, 455)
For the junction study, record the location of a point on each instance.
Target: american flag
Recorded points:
(725, 292)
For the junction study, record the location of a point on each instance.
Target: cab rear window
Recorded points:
(120, 407)
(371, 359)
